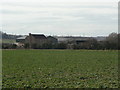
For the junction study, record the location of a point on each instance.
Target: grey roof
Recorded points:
(100, 38)
(22, 37)
(39, 36)
(72, 38)
(51, 37)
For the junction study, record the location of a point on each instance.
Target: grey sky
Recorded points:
(68, 17)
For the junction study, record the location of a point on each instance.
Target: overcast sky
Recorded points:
(59, 17)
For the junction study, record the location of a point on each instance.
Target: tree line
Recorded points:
(111, 43)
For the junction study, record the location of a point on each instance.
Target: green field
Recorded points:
(60, 69)
(7, 41)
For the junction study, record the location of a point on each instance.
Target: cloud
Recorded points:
(59, 17)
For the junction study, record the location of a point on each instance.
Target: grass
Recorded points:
(60, 69)
(7, 41)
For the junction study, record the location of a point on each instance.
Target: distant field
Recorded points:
(60, 69)
(7, 41)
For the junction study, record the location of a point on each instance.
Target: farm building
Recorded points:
(36, 40)
(52, 40)
(75, 40)
(41, 41)
(21, 39)
(78, 40)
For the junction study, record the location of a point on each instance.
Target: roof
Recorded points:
(39, 36)
(72, 38)
(100, 38)
(51, 37)
(22, 37)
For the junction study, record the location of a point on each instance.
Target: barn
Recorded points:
(36, 40)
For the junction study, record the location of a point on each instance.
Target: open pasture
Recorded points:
(60, 69)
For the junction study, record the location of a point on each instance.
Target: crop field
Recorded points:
(60, 69)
